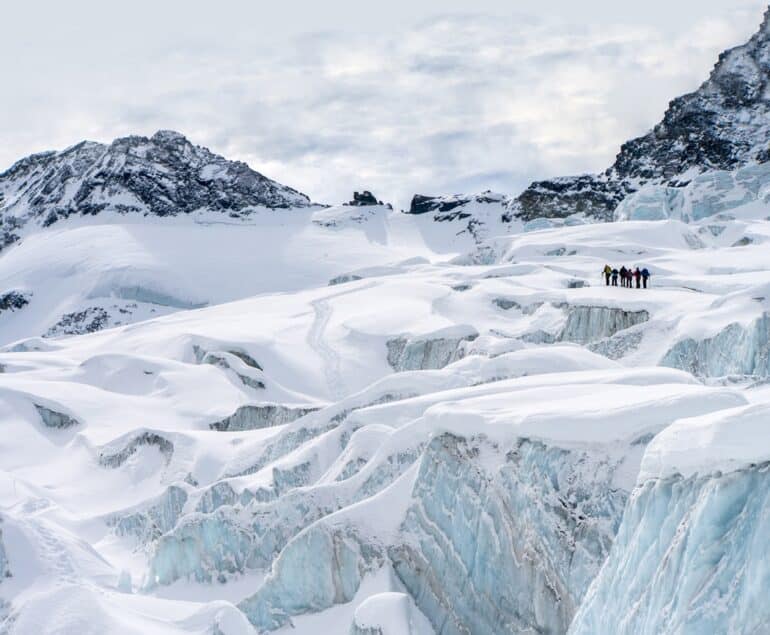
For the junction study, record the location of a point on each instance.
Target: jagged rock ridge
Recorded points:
(162, 175)
(723, 125)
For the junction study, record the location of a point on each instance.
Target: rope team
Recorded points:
(627, 276)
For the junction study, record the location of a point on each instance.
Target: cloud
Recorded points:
(455, 103)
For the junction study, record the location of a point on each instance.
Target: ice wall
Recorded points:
(114, 458)
(148, 522)
(55, 419)
(690, 557)
(231, 532)
(319, 569)
(736, 350)
(710, 193)
(425, 353)
(508, 551)
(592, 323)
(495, 540)
(251, 417)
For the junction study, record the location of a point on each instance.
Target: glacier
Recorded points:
(735, 350)
(710, 194)
(227, 409)
(687, 559)
(586, 324)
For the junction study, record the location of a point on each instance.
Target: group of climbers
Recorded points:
(627, 276)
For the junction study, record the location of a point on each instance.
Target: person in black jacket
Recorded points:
(623, 273)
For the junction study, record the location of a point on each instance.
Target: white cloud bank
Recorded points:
(455, 103)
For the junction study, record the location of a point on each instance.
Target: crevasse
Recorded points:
(480, 549)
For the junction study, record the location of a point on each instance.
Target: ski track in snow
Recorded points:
(330, 358)
(316, 339)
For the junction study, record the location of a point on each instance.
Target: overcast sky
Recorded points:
(433, 96)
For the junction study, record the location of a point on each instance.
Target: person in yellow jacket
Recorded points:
(607, 271)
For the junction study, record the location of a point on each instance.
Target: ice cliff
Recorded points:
(687, 557)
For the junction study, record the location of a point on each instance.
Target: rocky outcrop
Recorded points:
(344, 278)
(452, 207)
(723, 125)
(13, 301)
(594, 196)
(362, 199)
(88, 320)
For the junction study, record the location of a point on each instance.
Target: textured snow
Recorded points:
(432, 445)
(715, 443)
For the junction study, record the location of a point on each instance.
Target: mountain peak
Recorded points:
(169, 136)
(164, 175)
(723, 125)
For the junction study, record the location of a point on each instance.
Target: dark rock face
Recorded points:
(452, 207)
(361, 199)
(162, 175)
(595, 196)
(723, 125)
(89, 320)
(422, 204)
(13, 301)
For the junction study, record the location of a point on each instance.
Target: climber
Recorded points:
(645, 275)
(638, 276)
(623, 274)
(614, 277)
(607, 271)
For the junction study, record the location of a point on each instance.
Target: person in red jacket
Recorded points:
(638, 277)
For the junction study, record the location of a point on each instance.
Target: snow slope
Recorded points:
(462, 433)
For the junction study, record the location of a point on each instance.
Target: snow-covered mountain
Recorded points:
(227, 410)
(724, 125)
(164, 175)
